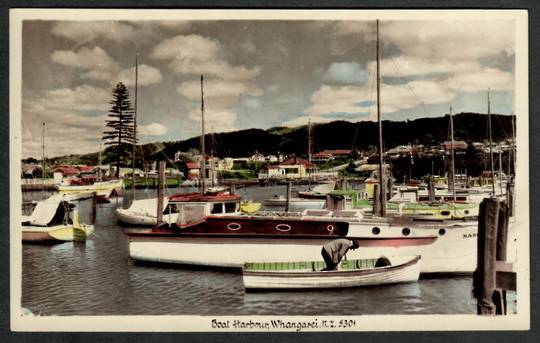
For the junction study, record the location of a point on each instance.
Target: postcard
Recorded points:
(269, 170)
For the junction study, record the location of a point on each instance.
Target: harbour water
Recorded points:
(99, 278)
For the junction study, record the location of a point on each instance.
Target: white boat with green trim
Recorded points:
(350, 273)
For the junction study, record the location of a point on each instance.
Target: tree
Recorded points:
(120, 134)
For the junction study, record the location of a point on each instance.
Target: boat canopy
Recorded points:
(49, 212)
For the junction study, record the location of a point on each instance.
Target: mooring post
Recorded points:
(431, 188)
(376, 200)
(390, 190)
(161, 182)
(288, 201)
(499, 296)
(94, 207)
(484, 282)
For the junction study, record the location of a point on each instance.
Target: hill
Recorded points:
(469, 127)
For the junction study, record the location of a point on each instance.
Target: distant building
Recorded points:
(458, 145)
(328, 154)
(291, 168)
(193, 170)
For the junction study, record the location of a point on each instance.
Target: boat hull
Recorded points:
(451, 250)
(401, 271)
(60, 233)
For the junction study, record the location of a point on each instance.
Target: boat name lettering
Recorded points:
(470, 235)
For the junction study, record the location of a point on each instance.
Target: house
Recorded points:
(291, 168)
(66, 171)
(328, 154)
(458, 145)
(193, 170)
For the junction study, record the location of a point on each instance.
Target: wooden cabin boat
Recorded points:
(232, 240)
(309, 275)
(54, 220)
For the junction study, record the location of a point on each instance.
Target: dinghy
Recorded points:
(54, 220)
(350, 273)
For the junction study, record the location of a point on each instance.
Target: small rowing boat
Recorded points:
(350, 273)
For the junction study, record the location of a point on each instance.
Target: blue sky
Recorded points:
(258, 74)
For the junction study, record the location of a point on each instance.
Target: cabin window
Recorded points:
(406, 231)
(442, 232)
(217, 208)
(445, 213)
(230, 207)
(376, 230)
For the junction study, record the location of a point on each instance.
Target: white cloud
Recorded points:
(196, 55)
(154, 129)
(218, 89)
(219, 96)
(85, 31)
(146, 75)
(215, 119)
(481, 80)
(85, 58)
(329, 101)
(450, 40)
(80, 98)
(192, 47)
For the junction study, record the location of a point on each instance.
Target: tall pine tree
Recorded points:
(120, 134)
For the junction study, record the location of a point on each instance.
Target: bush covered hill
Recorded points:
(470, 127)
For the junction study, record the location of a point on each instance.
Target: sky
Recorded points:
(258, 74)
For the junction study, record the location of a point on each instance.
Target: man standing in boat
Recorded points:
(334, 251)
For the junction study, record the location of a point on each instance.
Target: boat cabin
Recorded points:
(215, 204)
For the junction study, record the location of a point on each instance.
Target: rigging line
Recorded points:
(413, 92)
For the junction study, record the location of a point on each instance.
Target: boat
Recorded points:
(73, 189)
(143, 212)
(350, 273)
(54, 220)
(199, 238)
(319, 191)
(295, 202)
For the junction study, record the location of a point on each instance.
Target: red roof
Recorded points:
(198, 197)
(67, 170)
(336, 152)
(296, 161)
(192, 165)
(86, 168)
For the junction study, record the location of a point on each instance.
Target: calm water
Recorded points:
(98, 278)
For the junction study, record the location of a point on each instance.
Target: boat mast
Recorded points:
(43, 152)
(452, 166)
(134, 129)
(490, 146)
(309, 141)
(382, 193)
(203, 162)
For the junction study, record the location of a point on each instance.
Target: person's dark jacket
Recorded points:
(337, 249)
